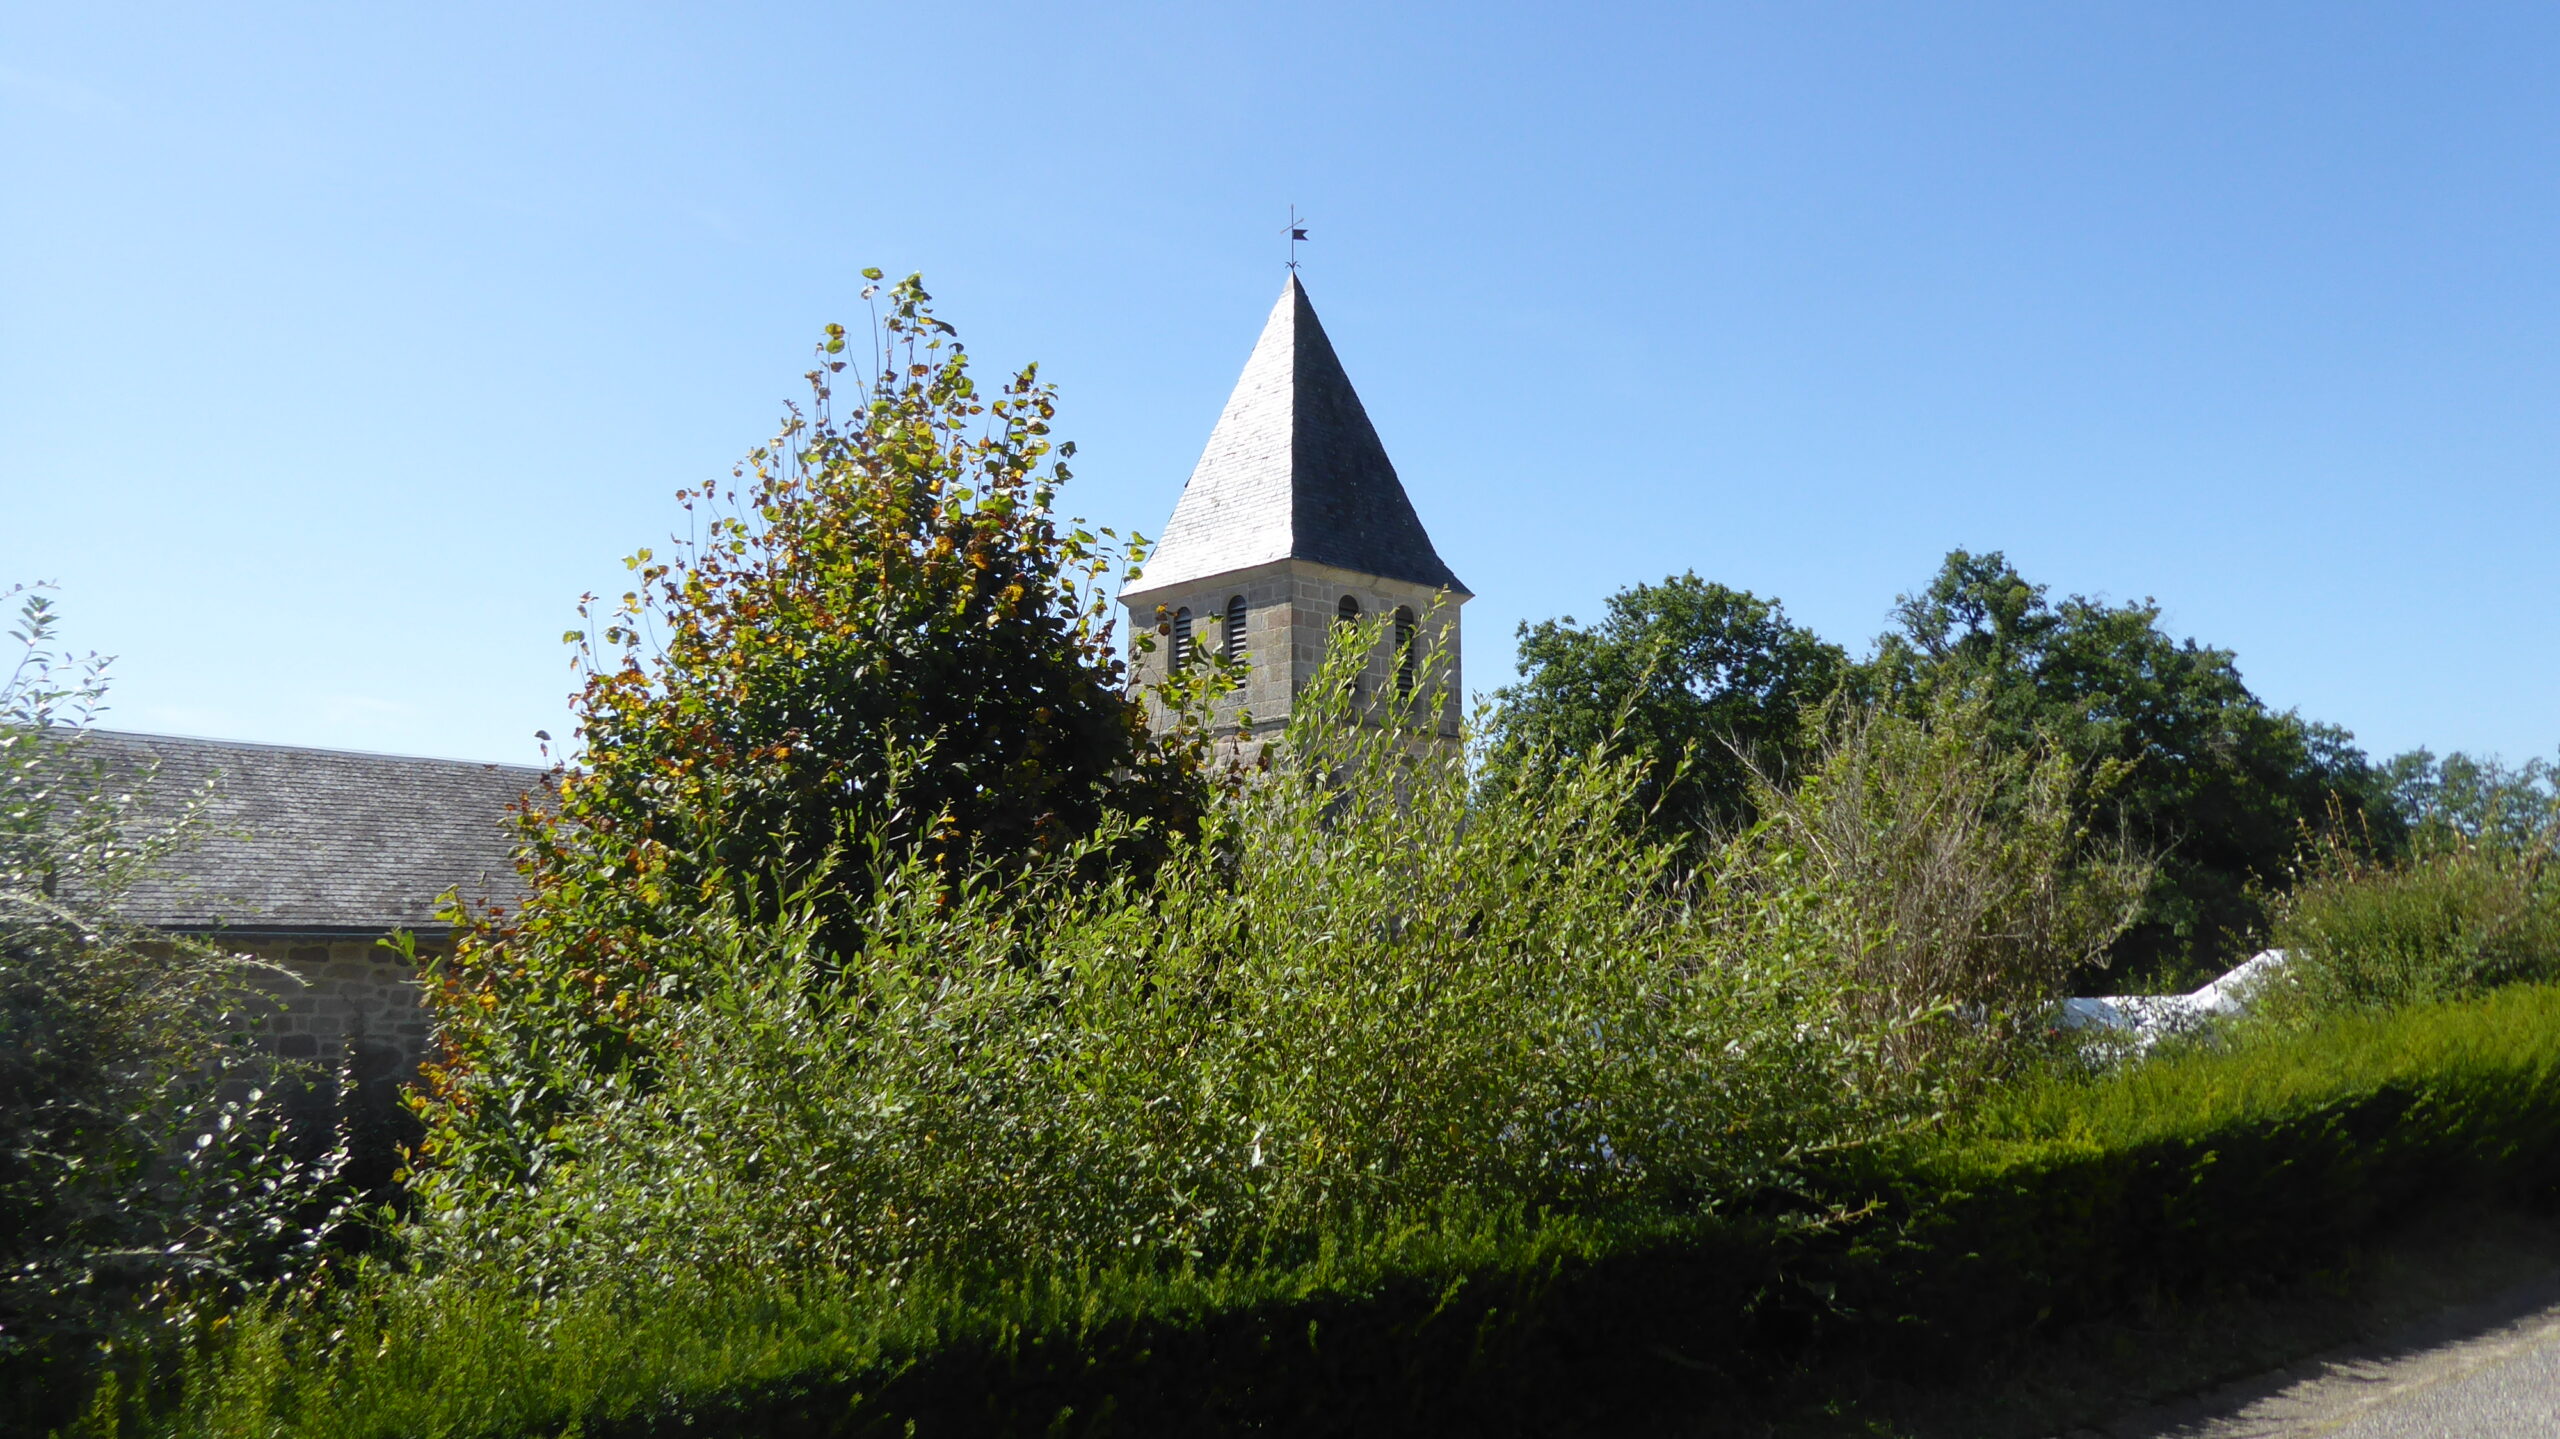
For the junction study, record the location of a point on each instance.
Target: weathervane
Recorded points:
(1297, 232)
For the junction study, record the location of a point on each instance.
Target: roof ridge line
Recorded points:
(279, 746)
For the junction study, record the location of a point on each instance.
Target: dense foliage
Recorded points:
(1365, 989)
(1704, 684)
(881, 654)
(1940, 1260)
(2472, 905)
(146, 1163)
(1708, 686)
(2215, 784)
(903, 1026)
(1375, 1012)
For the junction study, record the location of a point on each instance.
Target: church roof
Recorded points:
(318, 841)
(1294, 470)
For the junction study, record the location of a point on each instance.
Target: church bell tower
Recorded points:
(1293, 522)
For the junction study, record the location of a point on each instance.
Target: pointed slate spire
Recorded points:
(1294, 470)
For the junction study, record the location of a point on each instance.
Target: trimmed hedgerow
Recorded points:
(2267, 1156)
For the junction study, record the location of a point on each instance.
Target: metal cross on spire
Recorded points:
(1297, 232)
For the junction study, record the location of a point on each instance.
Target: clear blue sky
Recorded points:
(341, 346)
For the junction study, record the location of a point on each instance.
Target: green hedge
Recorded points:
(2206, 1170)
(2192, 1174)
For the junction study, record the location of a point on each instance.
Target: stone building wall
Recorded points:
(1291, 608)
(341, 995)
(355, 1011)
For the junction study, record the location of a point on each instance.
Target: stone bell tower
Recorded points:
(1293, 522)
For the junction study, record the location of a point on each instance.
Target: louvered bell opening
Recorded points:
(1405, 656)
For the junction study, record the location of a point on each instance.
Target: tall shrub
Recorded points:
(1955, 873)
(880, 634)
(145, 1161)
(2469, 909)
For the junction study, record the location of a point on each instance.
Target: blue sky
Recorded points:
(341, 347)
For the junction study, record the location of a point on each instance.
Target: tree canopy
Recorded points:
(879, 641)
(1704, 683)
(1701, 680)
(2215, 783)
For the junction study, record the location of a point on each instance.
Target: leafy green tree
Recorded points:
(2462, 798)
(2220, 787)
(1701, 681)
(881, 644)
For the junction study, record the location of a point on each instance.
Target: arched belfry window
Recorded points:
(1405, 647)
(1235, 629)
(1181, 656)
(1345, 615)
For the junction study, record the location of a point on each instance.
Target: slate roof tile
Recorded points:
(1294, 470)
(312, 839)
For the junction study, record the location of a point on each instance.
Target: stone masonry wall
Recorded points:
(1290, 612)
(353, 994)
(356, 1011)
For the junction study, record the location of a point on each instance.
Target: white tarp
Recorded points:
(2142, 1019)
